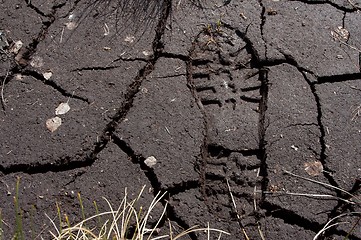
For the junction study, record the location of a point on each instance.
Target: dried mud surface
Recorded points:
(242, 97)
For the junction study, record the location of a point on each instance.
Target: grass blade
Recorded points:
(19, 231)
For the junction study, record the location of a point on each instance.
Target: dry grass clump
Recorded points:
(125, 222)
(128, 221)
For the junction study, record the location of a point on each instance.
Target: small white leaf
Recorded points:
(62, 109)
(129, 39)
(47, 75)
(150, 161)
(53, 123)
(146, 53)
(19, 77)
(71, 25)
(294, 147)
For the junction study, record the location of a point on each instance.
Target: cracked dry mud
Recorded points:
(237, 92)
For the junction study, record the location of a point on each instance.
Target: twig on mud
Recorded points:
(353, 87)
(350, 46)
(311, 195)
(328, 225)
(4, 81)
(235, 210)
(356, 113)
(255, 191)
(2, 89)
(61, 35)
(260, 232)
(353, 5)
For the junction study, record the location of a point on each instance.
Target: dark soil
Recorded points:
(247, 93)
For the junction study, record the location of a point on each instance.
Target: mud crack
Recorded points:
(135, 86)
(86, 157)
(156, 184)
(94, 68)
(262, 24)
(341, 206)
(54, 85)
(352, 8)
(24, 56)
(21, 60)
(323, 157)
(338, 78)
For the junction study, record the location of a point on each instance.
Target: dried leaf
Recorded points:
(340, 34)
(62, 108)
(53, 123)
(150, 161)
(146, 53)
(314, 168)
